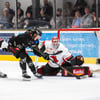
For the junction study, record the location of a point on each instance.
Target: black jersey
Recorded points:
(24, 40)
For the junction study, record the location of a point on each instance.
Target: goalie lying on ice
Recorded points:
(60, 55)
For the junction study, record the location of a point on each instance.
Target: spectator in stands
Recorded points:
(99, 22)
(28, 16)
(20, 19)
(94, 17)
(21, 10)
(43, 16)
(94, 12)
(87, 20)
(67, 9)
(29, 9)
(27, 19)
(99, 14)
(59, 20)
(94, 6)
(79, 5)
(67, 14)
(48, 9)
(76, 20)
(5, 19)
(11, 11)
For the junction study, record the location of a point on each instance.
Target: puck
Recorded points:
(78, 77)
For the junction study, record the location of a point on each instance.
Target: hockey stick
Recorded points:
(36, 59)
(78, 77)
(97, 70)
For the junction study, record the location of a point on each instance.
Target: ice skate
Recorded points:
(2, 75)
(38, 75)
(26, 77)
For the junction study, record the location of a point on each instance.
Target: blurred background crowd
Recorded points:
(49, 14)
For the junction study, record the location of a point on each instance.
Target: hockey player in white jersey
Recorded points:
(56, 51)
(3, 46)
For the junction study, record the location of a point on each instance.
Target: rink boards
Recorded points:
(78, 42)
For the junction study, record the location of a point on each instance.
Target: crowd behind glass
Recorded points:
(78, 16)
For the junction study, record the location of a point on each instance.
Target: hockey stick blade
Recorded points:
(82, 77)
(97, 70)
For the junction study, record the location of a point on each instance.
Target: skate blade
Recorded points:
(39, 77)
(26, 79)
(3, 76)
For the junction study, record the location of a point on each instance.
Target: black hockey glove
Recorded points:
(46, 56)
(33, 44)
(78, 60)
(36, 51)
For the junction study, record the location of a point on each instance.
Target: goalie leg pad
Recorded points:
(77, 71)
(48, 71)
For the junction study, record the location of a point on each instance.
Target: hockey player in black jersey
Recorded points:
(17, 45)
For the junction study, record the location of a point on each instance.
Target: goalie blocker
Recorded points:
(77, 71)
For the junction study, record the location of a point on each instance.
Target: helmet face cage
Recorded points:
(55, 42)
(38, 32)
(35, 33)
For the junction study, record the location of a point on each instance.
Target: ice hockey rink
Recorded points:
(48, 88)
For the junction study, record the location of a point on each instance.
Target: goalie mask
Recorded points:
(55, 42)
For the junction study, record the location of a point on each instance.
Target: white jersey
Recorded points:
(58, 58)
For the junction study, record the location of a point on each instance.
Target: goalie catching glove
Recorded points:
(78, 60)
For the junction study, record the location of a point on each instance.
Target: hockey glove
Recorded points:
(33, 44)
(78, 60)
(36, 51)
(46, 56)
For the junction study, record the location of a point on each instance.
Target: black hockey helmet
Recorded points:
(38, 32)
(34, 31)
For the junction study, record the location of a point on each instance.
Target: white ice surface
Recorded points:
(48, 88)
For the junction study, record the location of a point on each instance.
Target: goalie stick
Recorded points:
(97, 70)
(78, 77)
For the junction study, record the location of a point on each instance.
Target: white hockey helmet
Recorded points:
(55, 42)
